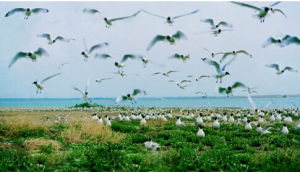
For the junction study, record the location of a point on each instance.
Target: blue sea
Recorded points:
(242, 102)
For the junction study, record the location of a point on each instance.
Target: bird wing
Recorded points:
(224, 56)
(38, 10)
(176, 56)
(19, 55)
(210, 21)
(275, 66)
(215, 64)
(130, 56)
(289, 69)
(60, 38)
(105, 56)
(228, 63)
(98, 46)
(90, 11)
(221, 90)
(153, 14)
(41, 52)
(244, 52)
(238, 84)
(136, 92)
(278, 10)
(183, 81)
(179, 35)
(87, 85)
(45, 35)
(223, 23)
(121, 18)
(75, 88)
(272, 5)
(156, 73)
(203, 76)
(246, 5)
(291, 40)
(269, 41)
(13, 11)
(156, 39)
(190, 13)
(49, 77)
(171, 71)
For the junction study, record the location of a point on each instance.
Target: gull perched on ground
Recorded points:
(151, 145)
(179, 123)
(88, 52)
(182, 57)
(171, 39)
(131, 97)
(216, 26)
(52, 41)
(284, 130)
(282, 42)
(220, 72)
(262, 11)
(39, 86)
(278, 71)
(229, 89)
(167, 74)
(170, 20)
(200, 132)
(26, 11)
(110, 21)
(33, 56)
(234, 53)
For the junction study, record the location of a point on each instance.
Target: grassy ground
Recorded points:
(29, 143)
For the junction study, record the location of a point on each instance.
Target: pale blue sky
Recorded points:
(133, 36)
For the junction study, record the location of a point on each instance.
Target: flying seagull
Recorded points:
(167, 74)
(39, 86)
(170, 20)
(229, 89)
(26, 11)
(171, 39)
(234, 53)
(217, 32)
(143, 59)
(131, 97)
(286, 40)
(220, 72)
(262, 11)
(85, 92)
(182, 57)
(87, 52)
(216, 26)
(120, 66)
(58, 38)
(33, 56)
(278, 71)
(110, 21)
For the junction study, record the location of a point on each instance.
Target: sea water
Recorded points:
(242, 102)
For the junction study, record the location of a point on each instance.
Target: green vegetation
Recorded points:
(60, 147)
(87, 105)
